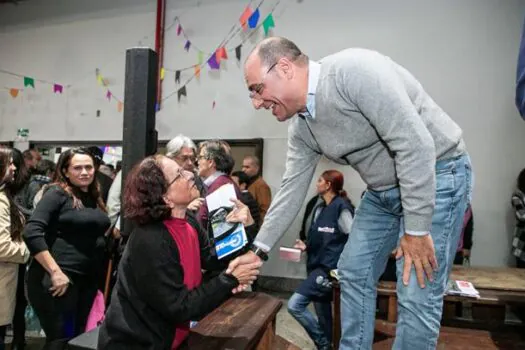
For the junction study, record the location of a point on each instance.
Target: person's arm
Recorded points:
(379, 93)
(156, 265)
(520, 77)
(114, 199)
(264, 199)
(301, 160)
(345, 221)
(10, 251)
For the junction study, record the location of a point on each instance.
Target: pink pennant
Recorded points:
(57, 88)
(179, 29)
(108, 95)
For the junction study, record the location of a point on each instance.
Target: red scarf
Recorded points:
(187, 242)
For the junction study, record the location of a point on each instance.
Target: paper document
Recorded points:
(290, 254)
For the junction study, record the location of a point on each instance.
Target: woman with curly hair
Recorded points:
(65, 236)
(160, 288)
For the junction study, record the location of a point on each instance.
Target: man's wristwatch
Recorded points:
(259, 252)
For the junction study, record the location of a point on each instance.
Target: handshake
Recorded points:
(246, 269)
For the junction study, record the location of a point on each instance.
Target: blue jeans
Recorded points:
(376, 230)
(320, 331)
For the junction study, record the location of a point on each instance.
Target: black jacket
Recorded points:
(150, 297)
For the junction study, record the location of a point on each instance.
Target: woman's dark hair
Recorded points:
(144, 192)
(218, 151)
(521, 181)
(241, 175)
(60, 179)
(22, 174)
(17, 220)
(45, 167)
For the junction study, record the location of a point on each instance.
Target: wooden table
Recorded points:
(245, 321)
(498, 288)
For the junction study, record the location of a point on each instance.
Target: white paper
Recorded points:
(221, 197)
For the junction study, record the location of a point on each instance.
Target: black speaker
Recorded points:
(139, 138)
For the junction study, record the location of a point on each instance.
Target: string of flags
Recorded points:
(249, 19)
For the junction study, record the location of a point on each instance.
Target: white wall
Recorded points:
(464, 53)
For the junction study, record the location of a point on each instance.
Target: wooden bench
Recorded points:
(498, 287)
(245, 321)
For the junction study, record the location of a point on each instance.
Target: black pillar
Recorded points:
(139, 138)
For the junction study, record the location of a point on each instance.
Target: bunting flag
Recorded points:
(120, 106)
(179, 29)
(100, 80)
(157, 106)
(213, 105)
(108, 95)
(268, 23)
(245, 16)
(254, 18)
(14, 92)
(187, 45)
(181, 92)
(200, 57)
(197, 70)
(221, 54)
(57, 88)
(177, 77)
(238, 52)
(162, 73)
(29, 82)
(213, 63)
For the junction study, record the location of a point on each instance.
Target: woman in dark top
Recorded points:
(159, 288)
(65, 236)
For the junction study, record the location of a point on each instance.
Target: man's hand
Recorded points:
(240, 213)
(417, 250)
(245, 259)
(299, 245)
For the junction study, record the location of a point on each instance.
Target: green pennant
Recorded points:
(268, 23)
(29, 82)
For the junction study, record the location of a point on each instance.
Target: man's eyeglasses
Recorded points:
(257, 89)
(184, 159)
(186, 175)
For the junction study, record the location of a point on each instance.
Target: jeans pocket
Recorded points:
(445, 182)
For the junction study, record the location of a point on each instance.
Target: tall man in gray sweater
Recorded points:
(360, 108)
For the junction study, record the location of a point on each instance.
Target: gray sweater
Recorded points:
(371, 114)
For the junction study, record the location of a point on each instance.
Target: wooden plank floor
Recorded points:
(456, 339)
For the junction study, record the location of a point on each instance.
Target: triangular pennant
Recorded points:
(14, 92)
(221, 52)
(213, 63)
(179, 29)
(100, 80)
(177, 76)
(181, 92)
(200, 57)
(213, 105)
(245, 16)
(268, 23)
(108, 95)
(29, 82)
(197, 70)
(57, 88)
(187, 45)
(254, 18)
(162, 73)
(120, 106)
(238, 52)
(157, 106)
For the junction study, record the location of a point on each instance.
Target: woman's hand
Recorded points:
(60, 283)
(240, 213)
(299, 245)
(196, 204)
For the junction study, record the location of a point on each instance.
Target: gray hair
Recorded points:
(217, 151)
(272, 49)
(177, 143)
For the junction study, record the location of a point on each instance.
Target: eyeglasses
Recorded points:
(184, 159)
(199, 157)
(186, 175)
(257, 89)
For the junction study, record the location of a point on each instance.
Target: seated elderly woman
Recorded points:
(159, 288)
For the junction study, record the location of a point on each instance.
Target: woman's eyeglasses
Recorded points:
(186, 175)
